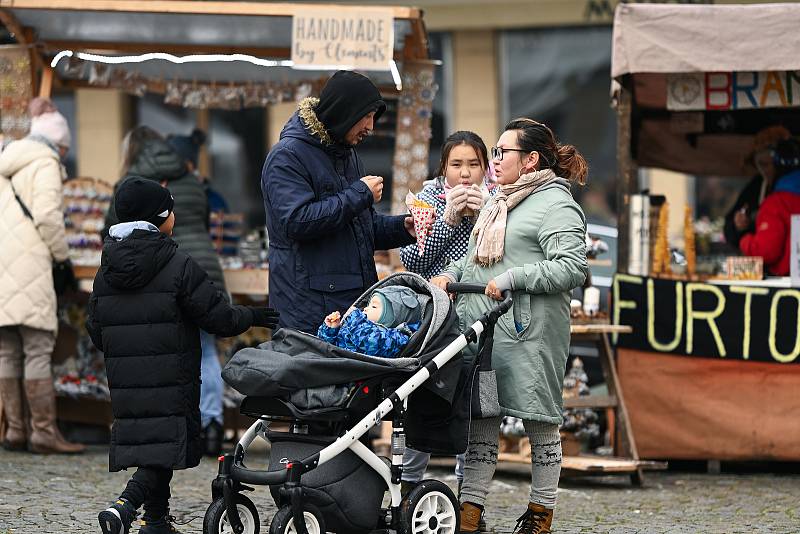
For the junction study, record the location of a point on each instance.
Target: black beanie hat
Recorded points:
(346, 98)
(140, 199)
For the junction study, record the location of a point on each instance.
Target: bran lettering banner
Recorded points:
(730, 91)
(343, 38)
(710, 321)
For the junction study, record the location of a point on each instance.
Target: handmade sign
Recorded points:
(710, 321)
(733, 90)
(341, 37)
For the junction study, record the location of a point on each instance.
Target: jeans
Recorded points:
(212, 387)
(149, 486)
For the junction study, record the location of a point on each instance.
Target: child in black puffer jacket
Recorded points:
(148, 304)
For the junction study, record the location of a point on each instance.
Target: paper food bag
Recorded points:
(424, 215)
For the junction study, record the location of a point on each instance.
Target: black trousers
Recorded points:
(149, 486)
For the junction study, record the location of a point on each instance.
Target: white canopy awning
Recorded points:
(667, 38)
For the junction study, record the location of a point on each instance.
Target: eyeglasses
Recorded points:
(497, 153)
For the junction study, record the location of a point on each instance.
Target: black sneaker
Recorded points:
(159, 526)
(213, 435)
(117, 518)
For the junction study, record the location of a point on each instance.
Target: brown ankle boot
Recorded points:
(470, 517)
(11, 396)
(45, 437)
(536, 520)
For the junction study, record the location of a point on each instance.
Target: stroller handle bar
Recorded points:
(492, 315)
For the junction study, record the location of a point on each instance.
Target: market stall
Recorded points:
(711, 369)
(186, 51)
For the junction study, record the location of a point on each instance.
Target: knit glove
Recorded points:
(266, 317)
(456, 204)
(475, 198)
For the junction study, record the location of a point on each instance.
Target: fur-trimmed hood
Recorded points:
(311, 122)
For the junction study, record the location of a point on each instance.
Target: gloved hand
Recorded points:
(475, 198)
(266, 317)
(456, 204)
(64, 277)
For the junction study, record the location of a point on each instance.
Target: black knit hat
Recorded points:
(140, 199)
(346, 98)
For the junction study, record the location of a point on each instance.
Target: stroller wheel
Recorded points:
(283, 522)
(216, 519)
(430, 508)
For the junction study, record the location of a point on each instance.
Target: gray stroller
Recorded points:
(322, 475)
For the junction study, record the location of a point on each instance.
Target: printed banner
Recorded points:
(733, 90)
(710, 321)
(340, 37)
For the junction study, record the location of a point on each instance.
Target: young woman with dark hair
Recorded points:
(458, 192)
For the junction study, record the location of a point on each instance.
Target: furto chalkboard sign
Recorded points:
(705, 320)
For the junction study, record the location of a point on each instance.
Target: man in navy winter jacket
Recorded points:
(323, 228)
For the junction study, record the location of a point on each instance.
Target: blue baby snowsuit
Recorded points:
(359, 334)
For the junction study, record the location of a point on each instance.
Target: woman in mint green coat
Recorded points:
(530, 239)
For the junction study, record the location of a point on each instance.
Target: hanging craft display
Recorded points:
(191, 94)
(15, 90)
(414, 110)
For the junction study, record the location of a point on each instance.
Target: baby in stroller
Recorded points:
(381, 329)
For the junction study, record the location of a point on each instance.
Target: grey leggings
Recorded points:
(481, 461)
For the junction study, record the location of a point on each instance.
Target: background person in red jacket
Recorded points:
(771, 240)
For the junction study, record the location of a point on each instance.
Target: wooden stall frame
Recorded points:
(44, 78)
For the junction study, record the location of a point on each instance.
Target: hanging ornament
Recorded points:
(231, 97)
(173, 95)
(419, 151)
(403, 158)
(419, 170)
(99, 74)
(74, 68)
(251, 97)
(195, 97)
(136, 84)
(404, 140)
(428, 94)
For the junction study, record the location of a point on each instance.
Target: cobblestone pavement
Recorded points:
(44, 494)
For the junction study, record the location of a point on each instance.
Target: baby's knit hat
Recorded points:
(400, 305)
